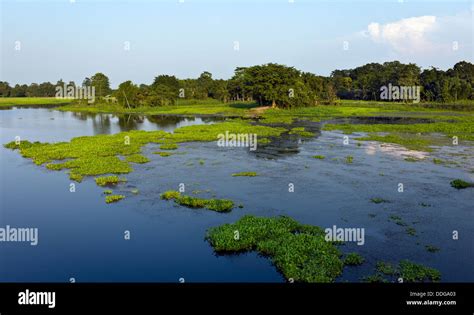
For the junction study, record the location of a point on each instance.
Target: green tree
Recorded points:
(127, 94)
(101, 84)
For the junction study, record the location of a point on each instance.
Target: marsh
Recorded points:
(83, 237)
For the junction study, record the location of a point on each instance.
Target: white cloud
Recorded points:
(405, 36)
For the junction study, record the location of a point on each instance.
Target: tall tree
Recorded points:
(101, 84)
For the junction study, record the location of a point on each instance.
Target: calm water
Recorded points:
(82, 237)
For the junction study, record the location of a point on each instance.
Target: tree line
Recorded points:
(277, 85)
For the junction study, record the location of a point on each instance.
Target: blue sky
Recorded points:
(60, 39)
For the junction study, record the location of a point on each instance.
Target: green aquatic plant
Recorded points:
(169, 146)
(349, 159)
(113, 198)
(99, 154)
(353, 259)
(163, 154)
(300, 252)
(137, 158)
(386, 268)
(376, 278)
(398, 220)
(450, 125)
(460, 184)
(218, 205)
(89, 155)
(438, 161)
(431, 248)
(248, 174)
(170, 194)
(301, 131)
(378, 200)
(406, 271)
(411, 231)
(109, 180)
(214, 132)
(411, 272)
(319, 157)
(77, 177)
(412, 159)
(108, 192)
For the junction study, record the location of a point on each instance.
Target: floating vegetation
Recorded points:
(448, 125)
(438, 161)
(89, 155)
(109, 180)
(412, 159)
(298, 251)
(460, 184)
(378, 200)
(432, 249)
(108, 192)
(77, 177)
(168, 146)
(201, 162)
(137, 158)
(397, 220)
(211, 132)
(301, 131)
(319, 157)
(406, 270)
(377, 278)
(113, 198)
(386, 268)
(99, 154)
(163, 154)
(349, 159)
(218, 205)
(170, 194)
(411, 272)
(248, 174)
(411, 231)
(353, 259)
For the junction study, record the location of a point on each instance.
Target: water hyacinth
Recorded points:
(300, 252)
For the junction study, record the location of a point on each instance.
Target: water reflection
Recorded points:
(287, 144)
(43, 124)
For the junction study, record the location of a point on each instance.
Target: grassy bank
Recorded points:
(182, 107)
(29, 101)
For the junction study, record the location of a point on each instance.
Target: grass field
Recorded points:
(28, 101)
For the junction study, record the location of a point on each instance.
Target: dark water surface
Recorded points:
(81, 236)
